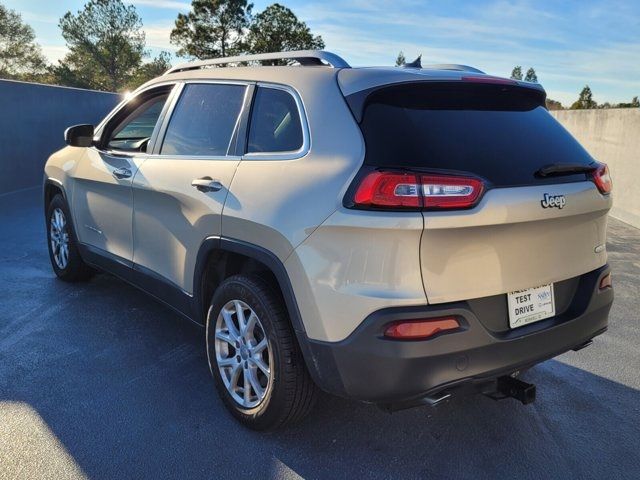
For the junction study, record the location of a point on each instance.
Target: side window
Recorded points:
(203, 121)
(134, 125)
(275, 122)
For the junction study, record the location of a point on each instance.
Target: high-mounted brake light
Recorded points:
(420, 329)
(489, 79)
(602, 178)
(382, 189)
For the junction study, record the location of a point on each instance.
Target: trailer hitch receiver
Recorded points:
(508, 386)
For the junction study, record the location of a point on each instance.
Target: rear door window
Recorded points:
(497, 132)
(204, 119)
(275, 122)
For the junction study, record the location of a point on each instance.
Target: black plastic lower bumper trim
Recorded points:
(368, 367)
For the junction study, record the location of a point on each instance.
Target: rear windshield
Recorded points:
(500, 133)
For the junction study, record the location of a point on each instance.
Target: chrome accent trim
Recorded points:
(93, 228)
(306, 138)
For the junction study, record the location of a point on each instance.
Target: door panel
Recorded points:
(102, 201)
(180, 191)
(172, 217)
(102, 196)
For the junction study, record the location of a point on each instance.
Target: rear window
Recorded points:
(501, 133)
(275, 122)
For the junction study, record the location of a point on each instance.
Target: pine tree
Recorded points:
(516, 73)
(585, 100)
(531, 76)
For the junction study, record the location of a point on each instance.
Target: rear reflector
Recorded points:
(420, 329)
(380, 189)
(602, 178)
(606, 282)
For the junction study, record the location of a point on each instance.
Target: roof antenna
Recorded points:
(417, 63)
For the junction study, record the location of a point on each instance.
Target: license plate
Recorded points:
(531, 305)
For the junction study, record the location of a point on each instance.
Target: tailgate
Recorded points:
(540, 217)
(509, 242)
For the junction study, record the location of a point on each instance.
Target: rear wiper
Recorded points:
(564, 169)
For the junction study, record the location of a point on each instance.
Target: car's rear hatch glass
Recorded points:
(502, 133)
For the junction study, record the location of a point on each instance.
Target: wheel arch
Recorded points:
(50, 189)
(259, 260)
(221, 257)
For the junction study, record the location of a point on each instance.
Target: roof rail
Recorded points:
(452, 66)
(303, 57)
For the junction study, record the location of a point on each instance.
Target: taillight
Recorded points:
(420, 329)
(440, 191)
(602, 178)
(386, 189)
(380, 189)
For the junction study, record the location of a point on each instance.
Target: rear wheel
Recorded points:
(254, 357)
(63, 251)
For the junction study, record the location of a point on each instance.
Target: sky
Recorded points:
(569, 43)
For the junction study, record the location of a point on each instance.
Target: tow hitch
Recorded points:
(511, 387)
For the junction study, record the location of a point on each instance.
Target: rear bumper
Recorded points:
(368, 367)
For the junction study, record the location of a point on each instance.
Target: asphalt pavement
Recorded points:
(97, 380)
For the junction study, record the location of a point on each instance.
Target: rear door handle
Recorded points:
(121, 173)
(207, 184)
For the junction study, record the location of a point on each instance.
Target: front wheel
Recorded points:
(63, 251)
(254, 357)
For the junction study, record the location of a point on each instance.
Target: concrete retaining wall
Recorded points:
(612, 136)
(33, 118)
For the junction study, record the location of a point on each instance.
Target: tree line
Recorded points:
(585, 98)
(107, 46)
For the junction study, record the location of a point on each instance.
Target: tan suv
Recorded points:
(392, 235)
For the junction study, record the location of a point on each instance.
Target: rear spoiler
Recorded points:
(481, 92)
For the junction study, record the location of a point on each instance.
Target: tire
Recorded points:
(60, 238)
(289, 392)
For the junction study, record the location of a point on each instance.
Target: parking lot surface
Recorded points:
(97, 380)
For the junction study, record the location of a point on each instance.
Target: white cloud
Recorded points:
(54, 52)
(37, 17)
(157, 36)
(169, 4)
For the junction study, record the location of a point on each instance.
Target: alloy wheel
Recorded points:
(59, 238)
(242, 354)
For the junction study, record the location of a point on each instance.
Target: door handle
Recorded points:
(207, 184)
(121, 173)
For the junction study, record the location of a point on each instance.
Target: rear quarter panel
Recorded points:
(278, 203)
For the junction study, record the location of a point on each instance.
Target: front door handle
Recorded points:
(207, 184)
(121, 173)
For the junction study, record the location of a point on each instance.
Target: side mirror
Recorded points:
(79, 136)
